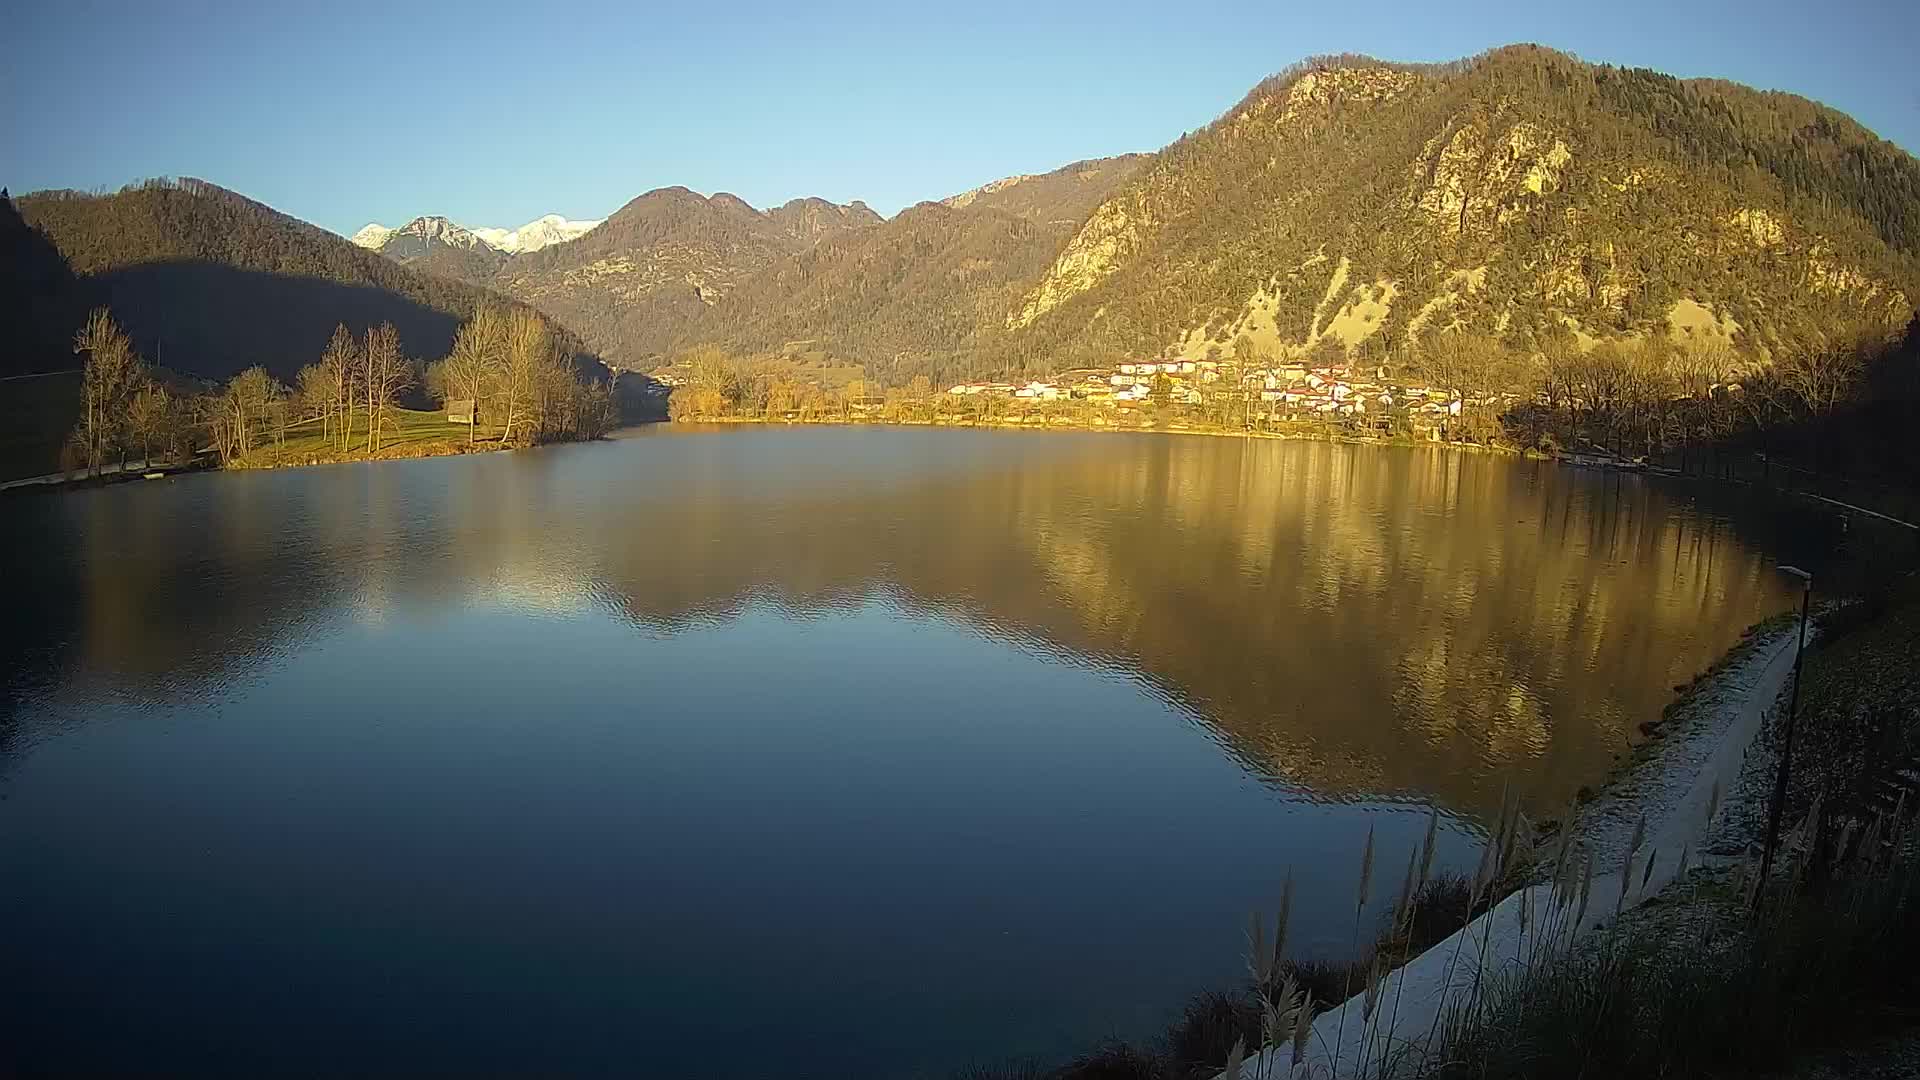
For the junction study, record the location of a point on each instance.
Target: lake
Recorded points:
(801, 752)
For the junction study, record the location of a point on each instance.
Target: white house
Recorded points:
(1040, 390)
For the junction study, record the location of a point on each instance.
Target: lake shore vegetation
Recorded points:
(507, 379)
(1819, 415)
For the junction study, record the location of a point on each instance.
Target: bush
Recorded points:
(1210, 1025)
(1724, 997)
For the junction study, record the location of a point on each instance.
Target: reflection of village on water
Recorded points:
(1357, 620)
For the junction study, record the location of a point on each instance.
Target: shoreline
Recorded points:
(1677, 787)
(58, 483)
(1700, 723)
(401, 452)
(1296, 433)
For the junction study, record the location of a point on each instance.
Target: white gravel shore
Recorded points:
(1672, 781)
(1660, 780)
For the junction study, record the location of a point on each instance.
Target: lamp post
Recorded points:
(1786, 741)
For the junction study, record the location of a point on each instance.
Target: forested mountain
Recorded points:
(810, 219)
(209, 282)
(919, 290)
(1345, 207)
(1064, 196)
(40, 304)
(634, 283)
(924, 291)
(1351, 205)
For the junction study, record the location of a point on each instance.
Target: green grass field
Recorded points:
(406, 433)
(36, 415)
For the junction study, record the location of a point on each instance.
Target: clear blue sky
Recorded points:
(494, 113)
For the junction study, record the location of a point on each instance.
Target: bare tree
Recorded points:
(113, 372)
(1823, 376)
(326, 387)
(241, 413)
(384, 374)
(713, 386)
(529, 347)
(479, 350)
(150, 417)
(313, 397)
(1474, 370)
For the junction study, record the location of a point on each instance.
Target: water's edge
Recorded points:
(1527, 927)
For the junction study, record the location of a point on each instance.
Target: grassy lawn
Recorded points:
(407, 433)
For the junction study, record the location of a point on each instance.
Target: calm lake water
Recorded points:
(814, 752)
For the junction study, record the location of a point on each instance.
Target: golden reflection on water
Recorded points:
(1357, 620)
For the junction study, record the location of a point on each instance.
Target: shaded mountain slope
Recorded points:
(209, 282)
(40, 301)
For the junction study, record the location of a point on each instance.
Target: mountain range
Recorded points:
(540, 232)
(1345, 207)
(209, 282)
(665, 268)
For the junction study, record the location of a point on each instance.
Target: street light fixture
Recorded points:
(1786, 741)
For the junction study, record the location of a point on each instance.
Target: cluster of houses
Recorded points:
(1274, 392)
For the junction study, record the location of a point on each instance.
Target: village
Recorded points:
(1266, 393)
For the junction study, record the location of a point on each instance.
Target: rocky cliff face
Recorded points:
(1522, 194)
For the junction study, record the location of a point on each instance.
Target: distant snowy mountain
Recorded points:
(436, 245)
(422, 234)
(373, 236)
(534, 235)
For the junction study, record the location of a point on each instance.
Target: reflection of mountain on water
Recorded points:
(1352, 619)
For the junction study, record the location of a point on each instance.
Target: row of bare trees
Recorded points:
(508, 363)
(1654, 396)
(364, 377)
(720, 386)
(1641, 397)
(353, 378)
(124, 409)
(350, 399)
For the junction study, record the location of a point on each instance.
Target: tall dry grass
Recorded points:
(1274, 1010)
(1835, 948)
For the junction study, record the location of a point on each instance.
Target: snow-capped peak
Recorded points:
(374, 236)
(433, 229)
(541, 232)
